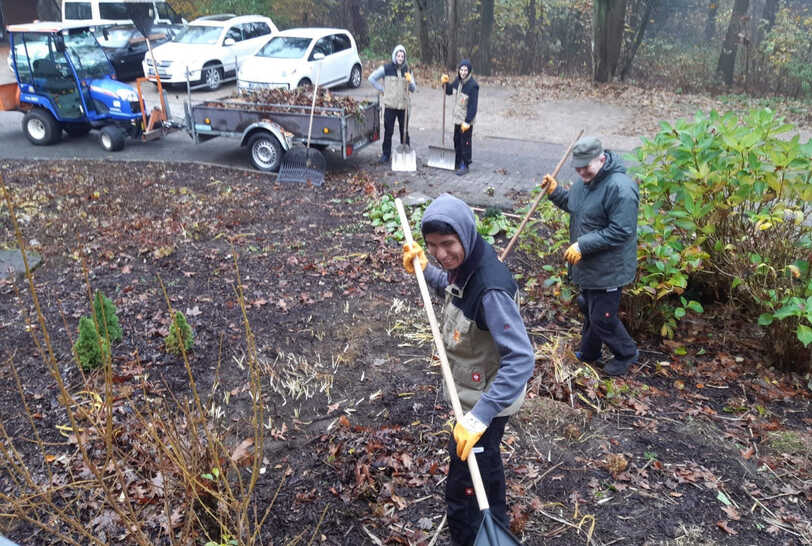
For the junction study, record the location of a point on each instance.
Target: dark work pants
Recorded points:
(464, 516)
(602, 325)
(462, 145)
(389, 116)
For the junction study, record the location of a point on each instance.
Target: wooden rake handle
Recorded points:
(473, 467)
(541, 195)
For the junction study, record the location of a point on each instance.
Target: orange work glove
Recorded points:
(467, 433)
(549, 184)
(573, 254)
(408, 77)
(410, 252)
(444, 79)
(464, 126)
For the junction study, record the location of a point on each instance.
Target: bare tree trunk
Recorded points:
(530, 39)
(765, 24)
(485, 31)
(727, 58)
(422, 31)
(451, 59)
(608, 19)
(638, 39)
(710, 22)
(357, 22)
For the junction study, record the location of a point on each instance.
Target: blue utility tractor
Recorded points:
(65, 82)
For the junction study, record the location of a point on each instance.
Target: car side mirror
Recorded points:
(229, 42)
(318, 56)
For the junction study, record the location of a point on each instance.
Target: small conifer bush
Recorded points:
(179, 332)
(105, 311)
(90, 348)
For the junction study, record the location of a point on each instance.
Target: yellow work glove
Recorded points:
(410, 252)
(444, 79)
(464, 126)
(573, 254)
(408, 77)
(549, 184)
(467, 433)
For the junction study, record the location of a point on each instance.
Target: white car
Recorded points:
(290, 59)
(209, 48)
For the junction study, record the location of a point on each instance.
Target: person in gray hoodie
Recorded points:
(603, 251)
(398, 82)
(489, 352)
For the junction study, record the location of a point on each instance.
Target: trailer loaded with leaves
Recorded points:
(271, 122)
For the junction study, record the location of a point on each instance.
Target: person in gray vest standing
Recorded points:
(466, 98)
(397, 78)
(489, 353)
(603, 251)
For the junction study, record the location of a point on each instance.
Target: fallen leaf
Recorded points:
(240, 453)
(731, 512)
(194, 311)
(723, 526)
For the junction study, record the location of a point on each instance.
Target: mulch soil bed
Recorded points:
(697, 445)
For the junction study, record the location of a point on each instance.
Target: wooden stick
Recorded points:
(538, 200)
(473, 467)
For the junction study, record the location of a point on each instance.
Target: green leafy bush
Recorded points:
(105, 312)
(91, 349)
(724, 203)
(180, 334)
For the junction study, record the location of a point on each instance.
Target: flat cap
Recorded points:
(585, 150)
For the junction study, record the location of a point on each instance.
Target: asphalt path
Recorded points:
(504, 165)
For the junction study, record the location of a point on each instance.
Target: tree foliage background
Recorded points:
(760, 46)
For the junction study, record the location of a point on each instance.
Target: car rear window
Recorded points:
(285, 47)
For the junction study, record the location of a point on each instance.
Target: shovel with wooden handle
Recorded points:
(441, 157)
(535, 205)
(491, 531)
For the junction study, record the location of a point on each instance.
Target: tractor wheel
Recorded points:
(41, 128)
(112, 138)
(265, 151)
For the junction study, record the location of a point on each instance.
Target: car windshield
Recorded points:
(87, 57)
(116, 38)
(285, 47)
(198, 35)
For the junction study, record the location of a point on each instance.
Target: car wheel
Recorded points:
(112, 138)
(304, 82)
(355, 77)
(77, 129)
(41, 128)
(212, 77)
(265, 151)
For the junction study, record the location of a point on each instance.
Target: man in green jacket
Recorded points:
(603, 254)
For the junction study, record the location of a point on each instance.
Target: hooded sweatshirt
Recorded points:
(467, 95)
(489, 352)
(394, 82)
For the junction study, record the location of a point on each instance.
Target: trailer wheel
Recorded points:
(77, 129)
(112, 138)
(265, 151)
(212, 76)
(355, 77)
(41, 128)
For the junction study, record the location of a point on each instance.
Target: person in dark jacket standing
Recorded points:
(603, 254)
(466, 95)
(396, 78)
(489, 352)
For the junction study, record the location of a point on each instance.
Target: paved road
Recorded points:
(505, 165)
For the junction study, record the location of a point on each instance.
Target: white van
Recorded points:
(115, 11)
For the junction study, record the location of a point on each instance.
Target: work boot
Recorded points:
(617, 367)
(463, 170)
(594, 363)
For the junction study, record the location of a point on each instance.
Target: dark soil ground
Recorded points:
(698, 445)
